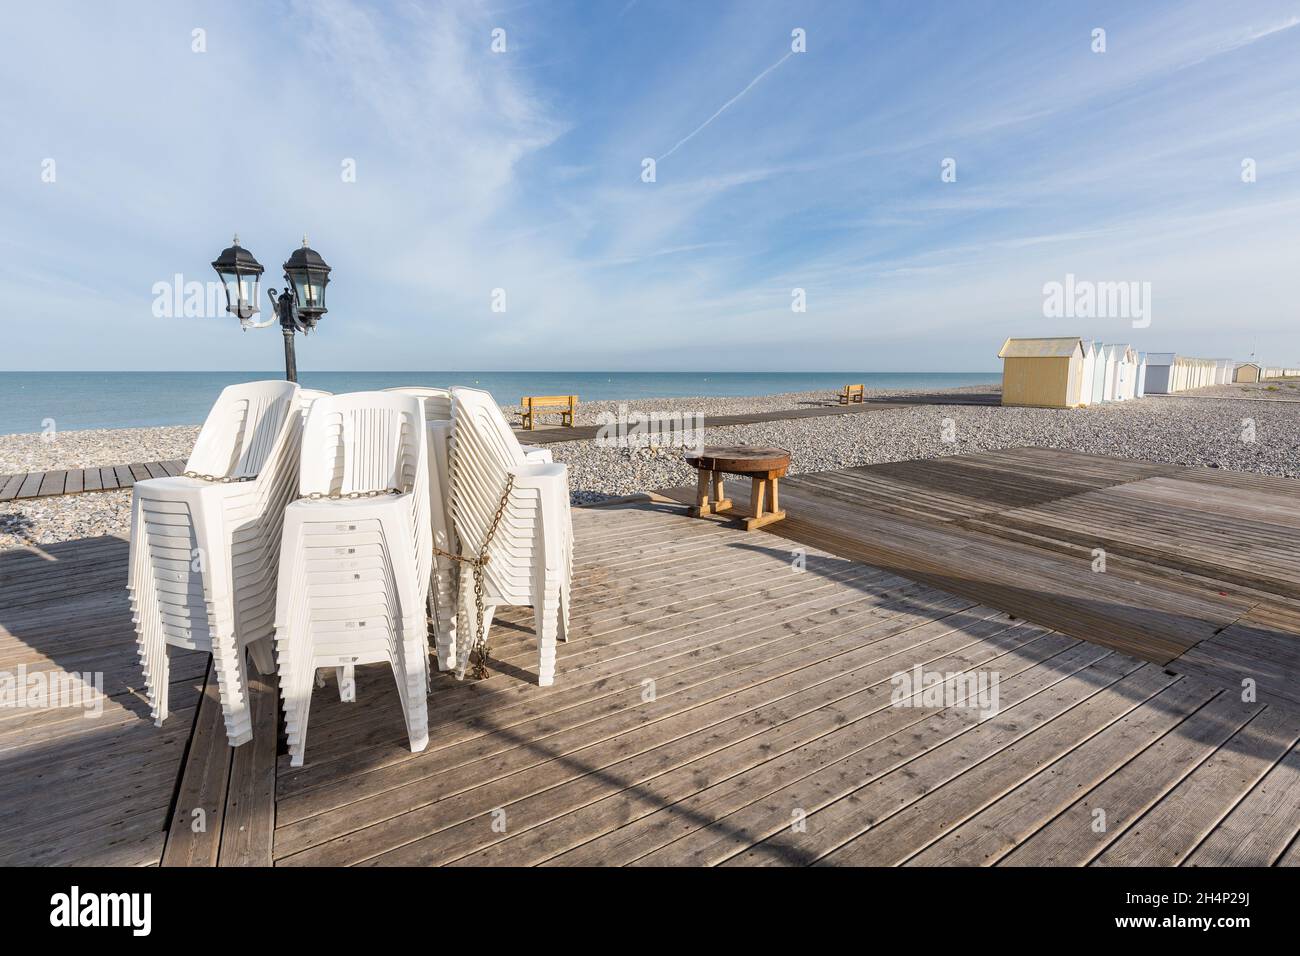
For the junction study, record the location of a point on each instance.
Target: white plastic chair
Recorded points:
(531, 555)
(307, 397)
(536, 454)
(204, 550)
(435, 401)
(437, 408)
(356, 557)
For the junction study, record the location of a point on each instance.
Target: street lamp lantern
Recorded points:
(298, 308)
(308, 274)
(240, 273)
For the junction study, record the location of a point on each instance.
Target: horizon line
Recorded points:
(521, 371)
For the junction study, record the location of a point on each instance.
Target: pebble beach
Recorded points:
(1241, 428)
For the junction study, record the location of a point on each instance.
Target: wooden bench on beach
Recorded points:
(562, 405)
(851, 394)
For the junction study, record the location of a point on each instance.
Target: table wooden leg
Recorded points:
(701, 506)
(764, 494)
(720, 501)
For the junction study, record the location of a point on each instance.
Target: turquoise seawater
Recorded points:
(132, 399)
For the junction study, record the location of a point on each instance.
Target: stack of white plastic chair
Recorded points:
(436, 403)
(530, 555)
(204, 549)
(356, 556)
(446, 571)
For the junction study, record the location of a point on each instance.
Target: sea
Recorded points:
(38, 401)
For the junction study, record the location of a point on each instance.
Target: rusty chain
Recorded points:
(219, 479)
(350, 495)
(479, 645)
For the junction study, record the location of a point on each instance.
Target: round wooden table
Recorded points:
(763, 466)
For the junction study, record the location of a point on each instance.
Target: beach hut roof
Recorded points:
(1160, 358)
(1041, 348)
(1247, 365)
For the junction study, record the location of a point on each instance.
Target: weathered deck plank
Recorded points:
(1258, 829)
(1178, 824)
(90, 784)
(997, 829)
(75, 481)
(248, 826)
(194, 836)
(1104, 814)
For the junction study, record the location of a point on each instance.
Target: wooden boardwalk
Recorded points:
(42, 484)
(78, 787)
(726, 698)
(1201, 570)
(829, 409)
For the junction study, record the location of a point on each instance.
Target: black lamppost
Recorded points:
(298, 308)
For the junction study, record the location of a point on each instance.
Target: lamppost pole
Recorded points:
(290, 360)
(284, 309)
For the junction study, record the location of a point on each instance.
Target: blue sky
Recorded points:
(521, 170)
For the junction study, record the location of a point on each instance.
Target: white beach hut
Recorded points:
(1099, 374)
(1191, 373)
(1140, 386)
(1113, 356)
(1090, 351)
(1206, 372)
(1128, 374)
(1126, 386)
(1224, 371)
(1178, 372)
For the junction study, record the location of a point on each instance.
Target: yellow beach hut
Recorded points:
(1043, 373)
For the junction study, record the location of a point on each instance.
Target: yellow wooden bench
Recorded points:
(563, 405)
(851, 394)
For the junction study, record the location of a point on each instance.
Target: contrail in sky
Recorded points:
(723, 108)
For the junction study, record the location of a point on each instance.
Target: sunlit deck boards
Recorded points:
(1201, 571)
(77, 789)
(771, 704)
(715, 705)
